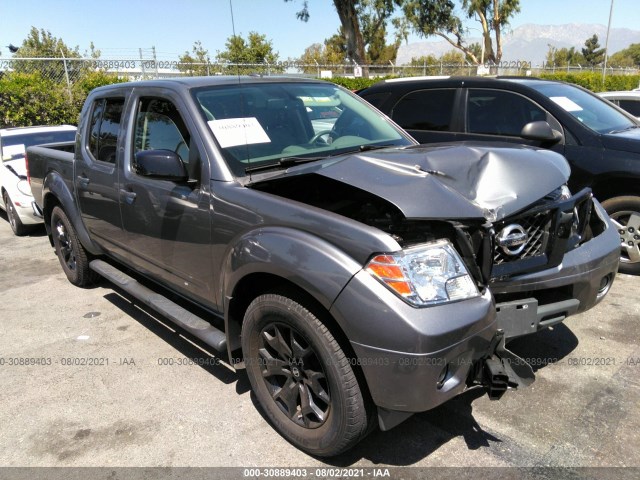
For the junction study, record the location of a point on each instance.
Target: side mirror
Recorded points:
(161, 164)
(540, 131)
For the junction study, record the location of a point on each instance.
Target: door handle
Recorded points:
(83, 181)
(128, 196)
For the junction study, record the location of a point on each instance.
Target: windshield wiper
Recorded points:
(626, 129)
(284, 162)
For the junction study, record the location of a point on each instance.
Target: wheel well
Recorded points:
(49, 203)
(610, 187)
(258, 284)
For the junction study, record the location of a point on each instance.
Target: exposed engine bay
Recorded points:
(552, 226)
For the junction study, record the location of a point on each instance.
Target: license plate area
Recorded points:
(517, 318)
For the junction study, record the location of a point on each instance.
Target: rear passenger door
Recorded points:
(428, 115)
(167, 223)
(96, 171)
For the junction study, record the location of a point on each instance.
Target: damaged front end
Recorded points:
(500, 370)
(534, 253)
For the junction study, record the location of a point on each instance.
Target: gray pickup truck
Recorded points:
(357, 276)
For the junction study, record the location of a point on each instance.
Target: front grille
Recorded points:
(538, 238)
(536, 226)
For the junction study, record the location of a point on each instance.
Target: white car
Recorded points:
(629, 101)
(17, 200)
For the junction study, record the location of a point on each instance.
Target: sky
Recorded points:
(119, 28)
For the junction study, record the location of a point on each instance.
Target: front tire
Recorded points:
(301, 377)
(19, 229)
(625, 215)
(74, 259)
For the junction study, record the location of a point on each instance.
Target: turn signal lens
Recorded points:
(429, 274)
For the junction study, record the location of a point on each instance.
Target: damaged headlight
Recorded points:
(426, 275)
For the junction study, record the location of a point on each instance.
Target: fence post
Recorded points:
(155, 61)
(66, 74)
(144, 74)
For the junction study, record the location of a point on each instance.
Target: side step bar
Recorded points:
(183, 318)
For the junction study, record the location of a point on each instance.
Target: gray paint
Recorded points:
(241, 231)
(451, 181)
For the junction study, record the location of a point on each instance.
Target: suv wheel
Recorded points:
(17, 226)
(625, 214)
(301, 377)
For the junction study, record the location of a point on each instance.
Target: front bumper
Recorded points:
(530, 302)
(413, 359)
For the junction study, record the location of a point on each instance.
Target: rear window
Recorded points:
(425, 110)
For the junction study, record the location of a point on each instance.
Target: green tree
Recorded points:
(318, 55)
(629, 57)
(437, 17)
(562, 57)
(425, 65)
(592, 53)
(197, 63)
(42, 44)
(255, 50)
(361, 24)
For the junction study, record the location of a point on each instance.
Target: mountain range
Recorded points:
(531, 42)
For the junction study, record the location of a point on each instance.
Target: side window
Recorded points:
(159, 126)
(631, 106)
(425, 110)
(376, 99)
(496, 112)
(103, 131)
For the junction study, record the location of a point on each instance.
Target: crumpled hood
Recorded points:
(452, 181)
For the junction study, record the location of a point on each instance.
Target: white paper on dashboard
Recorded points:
(567, 104)
(231, 132)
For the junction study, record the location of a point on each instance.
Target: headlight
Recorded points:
(426, 275)
(24, 188)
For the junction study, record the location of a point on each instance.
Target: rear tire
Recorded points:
(17, 226)
(301, 377)
(74, 259)
(625, 214)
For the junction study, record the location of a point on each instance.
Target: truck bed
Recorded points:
(43, 159)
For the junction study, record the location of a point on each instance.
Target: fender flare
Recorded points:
(316, 266)
(54, 185)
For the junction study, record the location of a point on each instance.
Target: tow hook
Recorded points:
(502, 369)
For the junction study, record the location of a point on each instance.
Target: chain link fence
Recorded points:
(51, 91)
(72, 69)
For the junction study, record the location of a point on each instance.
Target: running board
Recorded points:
(193, 324)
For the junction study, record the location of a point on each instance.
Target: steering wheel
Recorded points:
(318, 136)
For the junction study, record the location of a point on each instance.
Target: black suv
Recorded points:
(600, 140)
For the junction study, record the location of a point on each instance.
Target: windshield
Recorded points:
(14, 146)
(591, 110)
(259, 124)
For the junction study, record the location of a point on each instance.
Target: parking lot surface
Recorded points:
(89, 378)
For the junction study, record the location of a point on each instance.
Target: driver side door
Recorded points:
(167, 223)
